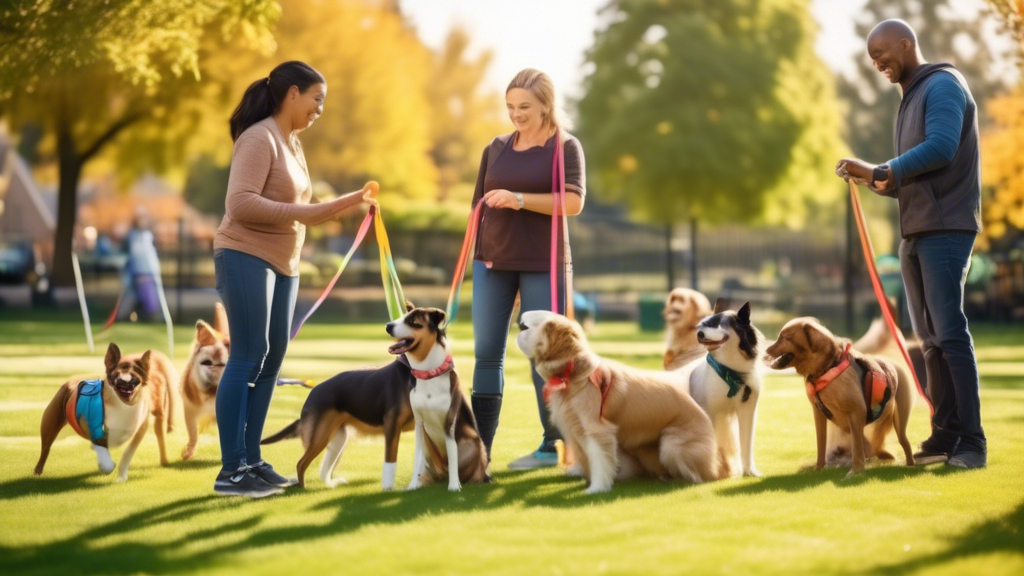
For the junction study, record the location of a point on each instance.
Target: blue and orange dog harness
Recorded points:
(84, 411)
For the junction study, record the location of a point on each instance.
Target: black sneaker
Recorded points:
(243, 482)
(266, 472)
(968, 460)
(934, 450)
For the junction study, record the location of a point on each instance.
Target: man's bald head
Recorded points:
(892, 45)
(893, 31)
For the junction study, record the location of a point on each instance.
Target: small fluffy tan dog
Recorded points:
(684, 309)
(202, 375)
(846, 387)
(641, 424)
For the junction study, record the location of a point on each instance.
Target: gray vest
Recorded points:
(948, 198)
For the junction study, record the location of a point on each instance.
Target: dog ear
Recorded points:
(436, 316)
(113, 357)
(559, 341)
(721, 305)
(204, 334)
(744, 314)
(143, 364)
(220, 319)
(409, 306)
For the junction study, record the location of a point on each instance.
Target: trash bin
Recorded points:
(650, 313)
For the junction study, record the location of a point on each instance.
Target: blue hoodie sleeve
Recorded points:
(945, 104)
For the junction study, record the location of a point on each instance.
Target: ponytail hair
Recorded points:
(541, 86)
(264, 97)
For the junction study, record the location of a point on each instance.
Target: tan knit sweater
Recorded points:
(267, 206)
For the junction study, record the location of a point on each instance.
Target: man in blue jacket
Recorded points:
(935, 176)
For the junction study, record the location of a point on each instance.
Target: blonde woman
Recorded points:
(514, 243)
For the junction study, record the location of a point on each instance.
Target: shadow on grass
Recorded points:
(807, 479)
(999, 535)
(48, 485)
(81, 555)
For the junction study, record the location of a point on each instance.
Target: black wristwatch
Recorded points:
(880, 173)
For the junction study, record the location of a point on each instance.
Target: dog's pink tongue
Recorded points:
(398, 347)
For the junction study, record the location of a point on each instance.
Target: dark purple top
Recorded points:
(521, 239)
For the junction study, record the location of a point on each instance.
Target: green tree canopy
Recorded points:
(699, 108)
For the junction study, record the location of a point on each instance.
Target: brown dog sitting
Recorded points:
(844, 386)
(684, 309)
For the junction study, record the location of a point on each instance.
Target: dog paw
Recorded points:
(853, 472)
(121, 478)
(413, 486)
(575, 470)
(596, 489)
(752, 473)
(188, 452)
(455, 487)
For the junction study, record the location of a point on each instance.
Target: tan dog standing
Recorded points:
(839, 381)
(684, 309)
(202, 376)
(642, 423)
(133, 388)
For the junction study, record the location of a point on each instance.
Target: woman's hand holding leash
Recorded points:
(370, 190)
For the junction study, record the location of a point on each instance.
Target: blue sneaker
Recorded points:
(546, 456)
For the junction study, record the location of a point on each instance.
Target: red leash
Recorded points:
(876, 283)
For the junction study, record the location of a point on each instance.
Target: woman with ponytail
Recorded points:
(514, 244)
(256, 257)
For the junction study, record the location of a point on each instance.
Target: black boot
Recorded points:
(486, 408)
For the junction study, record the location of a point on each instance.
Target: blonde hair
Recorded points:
(543, 89)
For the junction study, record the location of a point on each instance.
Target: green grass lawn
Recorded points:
(890, 520)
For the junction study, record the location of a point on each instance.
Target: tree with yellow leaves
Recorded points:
(121, 77)
(1002, 172)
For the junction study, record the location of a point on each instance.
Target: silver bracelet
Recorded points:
(519, 197)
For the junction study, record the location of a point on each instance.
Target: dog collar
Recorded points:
(825, 379)
(444, 368)
(833, 373)
(559, 381)
(731, 377)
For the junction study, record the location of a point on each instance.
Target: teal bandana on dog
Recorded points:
(731, 377)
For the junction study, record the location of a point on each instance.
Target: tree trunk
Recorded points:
(670, 257)
(67, 210)
(693, 255)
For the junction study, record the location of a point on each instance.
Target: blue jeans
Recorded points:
(260, 303)
(934, 273)
(494, 296)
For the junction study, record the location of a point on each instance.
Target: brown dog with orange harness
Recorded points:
(844, 386)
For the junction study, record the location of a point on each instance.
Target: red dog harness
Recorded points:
(561, 382)
(876, 387)
(445, 367)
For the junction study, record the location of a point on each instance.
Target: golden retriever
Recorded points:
(684, 309)
(641, 424)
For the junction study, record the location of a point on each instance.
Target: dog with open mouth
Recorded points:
(448, 442)
(846, 387)
(114, 409)
(726, 383)
(201, 378)
(633, 423)
(684, 309)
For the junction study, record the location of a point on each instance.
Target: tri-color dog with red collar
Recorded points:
(420, 381)
(447, 438)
